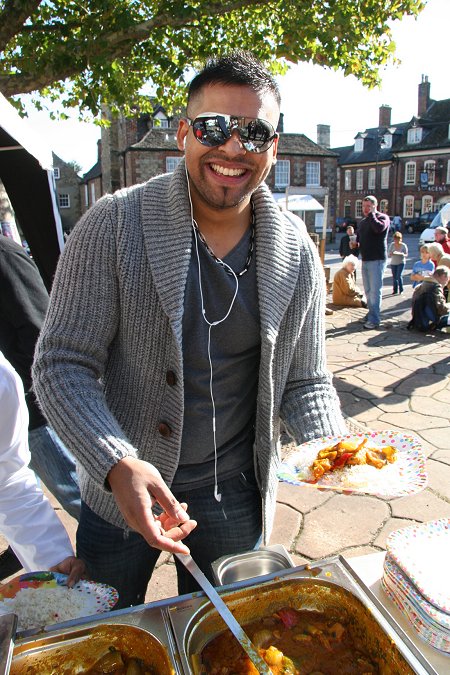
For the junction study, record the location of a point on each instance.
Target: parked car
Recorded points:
(343, 222)
(441, 219)
(420, 222)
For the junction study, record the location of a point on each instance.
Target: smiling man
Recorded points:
(186, 322)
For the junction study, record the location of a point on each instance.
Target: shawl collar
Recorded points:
(166, 221)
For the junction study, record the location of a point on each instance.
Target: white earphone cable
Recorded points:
(210, 324)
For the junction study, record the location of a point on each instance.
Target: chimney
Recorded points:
(280, 126)
(384, 116)
(323, 135)
(424, 96)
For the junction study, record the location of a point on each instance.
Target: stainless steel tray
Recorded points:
(242, 566)
(172, 621)
(195, 622)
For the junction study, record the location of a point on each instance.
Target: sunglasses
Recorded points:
(214, 129)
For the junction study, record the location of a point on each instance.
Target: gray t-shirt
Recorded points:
(235, 355)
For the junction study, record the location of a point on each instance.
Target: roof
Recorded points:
(157, 139)
(299, 144)
(94, 172)
(435, 125)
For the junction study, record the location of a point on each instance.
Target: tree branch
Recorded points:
(13, 16)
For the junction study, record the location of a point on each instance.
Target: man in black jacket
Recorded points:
(23, 305)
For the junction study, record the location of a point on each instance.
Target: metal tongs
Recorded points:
(235, 627)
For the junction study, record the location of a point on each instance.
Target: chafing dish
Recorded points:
(266, 560)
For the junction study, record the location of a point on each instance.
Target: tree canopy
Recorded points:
(85, 53)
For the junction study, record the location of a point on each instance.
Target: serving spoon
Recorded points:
(235, 627)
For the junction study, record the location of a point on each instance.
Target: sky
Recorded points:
(313, 95)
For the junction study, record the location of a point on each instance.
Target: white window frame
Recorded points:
(427, 204)
(282, 173)
(430, 168)
(172, 163)
(414, 135)
(371, 178)
(86, 195)
(410, 173)
(408, 206)
(359, 144)
(387, 140)
(360, 179)
(384, 206)
(347, 179)
(162, 120)
(93, 198)
(312, 174)
(448, 172)
(347, 208)
(358, 208)
(56, 172)
(64, 200)
(385, 171)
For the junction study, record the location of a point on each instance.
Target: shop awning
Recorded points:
(298, 202)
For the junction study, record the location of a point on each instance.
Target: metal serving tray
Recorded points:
(195, 622)
(266, 560)
(60, 642)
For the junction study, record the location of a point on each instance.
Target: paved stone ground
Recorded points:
(388, 378)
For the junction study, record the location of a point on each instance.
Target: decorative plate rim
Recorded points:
(286, 471)
(107, 596)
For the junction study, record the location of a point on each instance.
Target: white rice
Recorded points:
(44, 606)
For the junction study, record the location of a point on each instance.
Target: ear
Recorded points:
(274, 149)
(182, 132)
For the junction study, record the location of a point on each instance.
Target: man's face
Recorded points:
(225, 176)
(439, 237)
(350, 231)
(367, 207)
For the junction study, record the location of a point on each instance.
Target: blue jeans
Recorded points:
(124, 560)
(397, 280)
(55, 466)
(372, 276)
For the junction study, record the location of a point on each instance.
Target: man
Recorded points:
(397, 223)
(23, 304)
(441, 237)
(187, 319)
(373, 230)
(429, 308)
(348, 245)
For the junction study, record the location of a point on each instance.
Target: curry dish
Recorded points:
(348, 453)
(291, 642)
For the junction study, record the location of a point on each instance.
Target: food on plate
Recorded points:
(350, 453)
(291, 642)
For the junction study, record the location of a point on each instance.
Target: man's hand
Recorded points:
(136, 486)
(73, 567)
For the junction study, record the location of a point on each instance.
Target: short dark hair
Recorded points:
(238, 67)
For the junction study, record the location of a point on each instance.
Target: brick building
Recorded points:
(406, 166)
(67, 184)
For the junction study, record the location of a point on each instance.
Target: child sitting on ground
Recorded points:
(422, 268)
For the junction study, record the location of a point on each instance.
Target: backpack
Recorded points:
(424, 315)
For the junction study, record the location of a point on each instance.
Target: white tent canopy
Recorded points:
(297, 202)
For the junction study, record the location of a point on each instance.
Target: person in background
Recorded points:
(397, 223)
(192, 278)
(441, 237)
(431, 291)
(424, 267)
(372, 234)
(348, 245)
(345, 291)
(398, 252)
(23, 304)
(27, 519)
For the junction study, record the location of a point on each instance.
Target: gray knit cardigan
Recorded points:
(114, 330)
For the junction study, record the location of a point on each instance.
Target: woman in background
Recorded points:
(398, 252)
(345, 291)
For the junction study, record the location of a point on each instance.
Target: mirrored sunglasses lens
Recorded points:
(208, 131)
(257, 135)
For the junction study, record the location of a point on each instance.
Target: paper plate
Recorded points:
(422, 552)
(86, 598)
(406, 476)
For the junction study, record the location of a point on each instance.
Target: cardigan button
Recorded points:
(171, 378)
(164, 430)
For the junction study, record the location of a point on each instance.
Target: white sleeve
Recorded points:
(27, 519)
